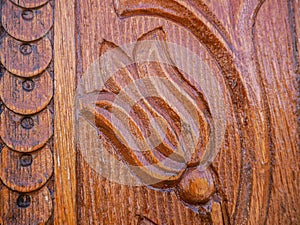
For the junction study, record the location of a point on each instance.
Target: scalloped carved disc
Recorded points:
(26, 24)
(26, 96)
(26, 133)
(25, 59)
(26, 172)
(21, 209)
(29, 3)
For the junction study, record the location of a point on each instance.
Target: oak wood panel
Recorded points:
(279, 71)
(103, 205)
(65, 151)
(239, 31)
(251, 48)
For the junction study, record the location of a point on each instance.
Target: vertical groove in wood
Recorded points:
(65, 80)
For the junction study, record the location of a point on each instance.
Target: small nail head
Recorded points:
(24, 201)
(28, 85)
(28, 14)
(27, 123)
(26, 160)
(26, 49)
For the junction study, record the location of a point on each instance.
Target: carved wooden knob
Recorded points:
(196, 186)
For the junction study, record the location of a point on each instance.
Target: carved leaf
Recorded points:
(157, 121)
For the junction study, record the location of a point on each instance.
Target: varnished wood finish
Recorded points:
(26, 120)
(19, 23)
(23, 172)
(241, 52)
(34, 208)
(65, 149)
(251, 50)
(33, 131)
(25, 64)
(23, 95)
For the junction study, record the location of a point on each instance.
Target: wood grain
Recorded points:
(245, 166)
(279, 80)
(25, 95)
(26, 133)
(30, 3)
(32, 60)
(249, 47)
(23, 209)
(26, 25)
(26, 114)
(23, 172)
(65, 152)
(142, 200)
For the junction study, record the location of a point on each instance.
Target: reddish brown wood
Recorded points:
(23, 209)
(26, 95)
(249, 52)
(244, 170)
(25, 59)
(26, 24)
(26, 133)
(23, 172)
(26, 127)
(64, 130)
(29, 3)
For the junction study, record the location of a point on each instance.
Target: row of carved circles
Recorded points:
(26, 90)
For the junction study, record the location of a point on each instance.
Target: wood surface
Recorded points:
(247, 52)
(26, 126)
(249, 45)
(65, 149)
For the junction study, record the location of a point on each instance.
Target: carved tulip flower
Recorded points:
(156, 120)
(146, 119)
